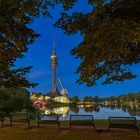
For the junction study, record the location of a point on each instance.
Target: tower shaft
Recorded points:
(54, 63)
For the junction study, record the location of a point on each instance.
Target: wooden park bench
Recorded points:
(82, 120)
(16, 119)
(2, 118)
(2, 121)
(46, 119)
(123, 123)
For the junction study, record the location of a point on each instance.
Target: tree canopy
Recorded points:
(12, 100)
(111, 39)
(16, 35)
(74, 99)
(96, 99)
(88, 99)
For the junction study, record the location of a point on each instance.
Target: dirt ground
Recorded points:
(51, 132)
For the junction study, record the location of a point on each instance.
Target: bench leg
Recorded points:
(38, 125)
(59, 126)
(1, 123)
(108, 129)
(94, 128)
(11, 123)
(137, 130)
(70, 126)
(29, 126)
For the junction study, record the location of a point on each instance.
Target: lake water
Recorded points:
(98, 112)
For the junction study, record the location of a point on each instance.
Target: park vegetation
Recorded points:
(112, 52)
(16, 35)
(13, 100)
(111, 39)
(125, 99)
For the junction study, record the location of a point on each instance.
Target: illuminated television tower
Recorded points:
(54, 64)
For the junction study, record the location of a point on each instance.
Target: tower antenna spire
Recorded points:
(54, 44)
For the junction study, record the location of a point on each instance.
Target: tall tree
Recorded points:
(16, 35)
(12, 100)
(111, 39)
(74, 99)
(88, 99)
(96, 99)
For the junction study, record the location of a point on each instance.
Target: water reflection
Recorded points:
(57, 110)
(74, 109)
(91, 109)
(99, 112)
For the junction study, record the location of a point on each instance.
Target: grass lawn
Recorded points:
(50, 132)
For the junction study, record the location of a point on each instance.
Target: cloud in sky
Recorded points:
(38, 74)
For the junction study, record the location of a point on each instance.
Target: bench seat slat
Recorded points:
(82, 123)
(122, 125)
(21, 120)
(48, 121)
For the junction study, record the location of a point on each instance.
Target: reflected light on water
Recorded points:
(97, 111)
(58, 110)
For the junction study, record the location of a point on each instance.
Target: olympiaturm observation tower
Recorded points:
(54, 64)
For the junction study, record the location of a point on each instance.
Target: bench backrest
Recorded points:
(17, 116)
(122, 120)
(49, 117)
(81, 117)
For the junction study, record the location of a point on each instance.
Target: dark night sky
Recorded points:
(39, 57)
